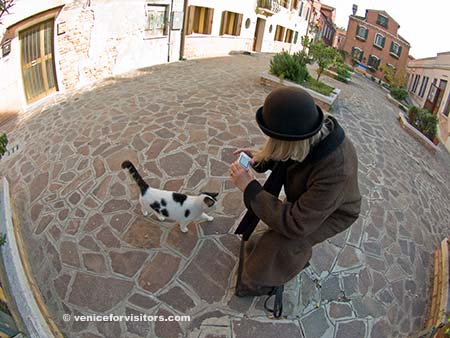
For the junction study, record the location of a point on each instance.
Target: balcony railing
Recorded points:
(268, 7)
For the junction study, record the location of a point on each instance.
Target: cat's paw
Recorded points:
(145, 213)
(184, 229)
(161, 218)
(210, 218)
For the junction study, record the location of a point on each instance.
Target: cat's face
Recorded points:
(209, 199)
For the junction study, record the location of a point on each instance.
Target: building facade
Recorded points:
(51, 46)
(214, 28)
(373, 41)
(339, 38)
(327, 30)
(429, 88)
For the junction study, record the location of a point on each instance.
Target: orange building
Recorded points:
(373, 40)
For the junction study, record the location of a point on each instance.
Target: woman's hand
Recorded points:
(239, 176)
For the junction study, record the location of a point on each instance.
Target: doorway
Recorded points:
(259, 34)
(37, 61)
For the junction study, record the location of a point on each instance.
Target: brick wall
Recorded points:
(368, 46)
(72, 47)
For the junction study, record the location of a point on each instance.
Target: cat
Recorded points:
(176, 206)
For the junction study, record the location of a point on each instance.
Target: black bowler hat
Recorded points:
(289, 114)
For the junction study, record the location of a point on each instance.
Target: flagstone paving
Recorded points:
(92, 251)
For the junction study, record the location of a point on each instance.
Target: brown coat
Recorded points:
(323, 199)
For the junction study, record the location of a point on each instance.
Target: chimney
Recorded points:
(354, 9)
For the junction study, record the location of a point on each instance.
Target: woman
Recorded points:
(310, 155)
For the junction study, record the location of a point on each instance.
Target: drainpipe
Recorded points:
(183, 30)
(170, 30)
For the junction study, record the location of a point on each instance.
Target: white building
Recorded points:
(52, 46)
(428, 87)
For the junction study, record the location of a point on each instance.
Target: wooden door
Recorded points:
(259, 34)
(38, 67)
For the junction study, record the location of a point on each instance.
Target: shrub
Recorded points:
(341, 78)
(302, 58)
(3, 144)
(424, 121)
(399, 93)
(342, 71)
(286, 66)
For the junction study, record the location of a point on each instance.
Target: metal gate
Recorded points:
(38, 67)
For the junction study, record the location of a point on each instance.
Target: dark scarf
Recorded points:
(278, 176)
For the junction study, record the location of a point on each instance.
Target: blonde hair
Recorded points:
(280, 150)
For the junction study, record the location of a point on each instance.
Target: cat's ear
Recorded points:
(209, 201)
(211, 194)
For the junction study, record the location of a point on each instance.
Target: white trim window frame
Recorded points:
(373, 57)
(378, 40)
(364, 32)
(395, 49)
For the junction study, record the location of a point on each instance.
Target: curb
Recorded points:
(16, 276)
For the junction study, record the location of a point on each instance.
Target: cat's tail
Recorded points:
(143, 186)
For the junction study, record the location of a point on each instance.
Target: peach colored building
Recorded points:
(373, 40)
(429, 88)
(339, 38)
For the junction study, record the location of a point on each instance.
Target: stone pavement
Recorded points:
(92, 252)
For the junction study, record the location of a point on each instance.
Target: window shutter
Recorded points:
(209, 20)
(361, 55)
(378, 63)
(295, 37)
(239, 24)
(366, 32)
(399, 50)
(301, 9)
(166, 22)
(357, 30)
(224, 22)
(383, 40)
(353, 51)
(190, 20)
(392, 47)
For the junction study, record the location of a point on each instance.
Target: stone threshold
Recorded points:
(416, 134)
(324, 102)
(20, 282)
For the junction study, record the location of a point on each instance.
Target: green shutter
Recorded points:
(357, 30)
(361, 56)
(378, 63)
(383, 41)
(366, 33)
(353, 52)
(392, 49)
(399, 50)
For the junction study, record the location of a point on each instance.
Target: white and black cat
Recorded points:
(176, 206)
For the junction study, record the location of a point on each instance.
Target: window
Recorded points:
(200, 20)
(379, 41)
(156, 20)
(361, 32)
(294, 4)
(284, 3)
(373, 61)
(382, 20)
(357, 53)
(423, 86)
(416, 83)
(295, 37)
(395, 50)
(289, 36)
(301, 9)
(231, 23)
(279, 33)
(307, 14)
